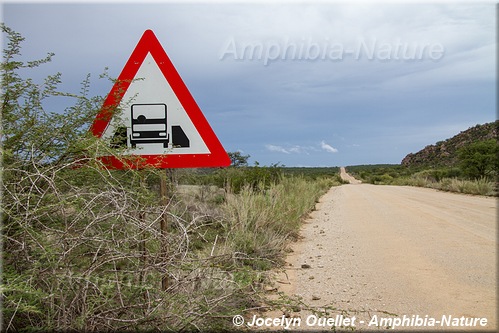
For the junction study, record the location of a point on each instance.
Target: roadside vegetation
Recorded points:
(82, 246)
(476, 172)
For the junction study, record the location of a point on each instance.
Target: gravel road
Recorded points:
(385, 251)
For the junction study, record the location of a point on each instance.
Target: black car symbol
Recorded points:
(149, 124)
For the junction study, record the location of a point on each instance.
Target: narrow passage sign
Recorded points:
(151, 112)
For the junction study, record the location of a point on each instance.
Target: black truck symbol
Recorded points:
(149, 125)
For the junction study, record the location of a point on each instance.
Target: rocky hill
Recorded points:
(444, 153)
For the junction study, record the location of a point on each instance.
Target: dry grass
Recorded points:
(260, 223)
(481, 186)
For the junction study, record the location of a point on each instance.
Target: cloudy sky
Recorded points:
(302, 84)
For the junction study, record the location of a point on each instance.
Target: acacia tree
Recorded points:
(237, 159)
(479, 159)
(81, 246)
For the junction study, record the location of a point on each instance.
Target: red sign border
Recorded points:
(148, 43)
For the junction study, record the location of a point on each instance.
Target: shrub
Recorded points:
(233, 179)
(479, 159)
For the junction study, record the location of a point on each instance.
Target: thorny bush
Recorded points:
(82, 246)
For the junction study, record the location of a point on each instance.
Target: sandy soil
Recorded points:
(383, 251)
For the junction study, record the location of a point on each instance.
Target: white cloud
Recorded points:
(277, 149)
(296, 149)
(328, 148)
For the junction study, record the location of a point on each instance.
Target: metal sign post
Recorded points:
(163, 191)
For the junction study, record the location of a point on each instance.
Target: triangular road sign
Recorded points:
(151, 112)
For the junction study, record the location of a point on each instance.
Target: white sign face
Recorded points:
(152, 118)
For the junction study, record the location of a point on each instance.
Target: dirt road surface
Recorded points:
(345, 176)
(385, 251)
